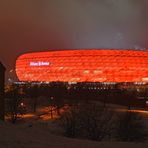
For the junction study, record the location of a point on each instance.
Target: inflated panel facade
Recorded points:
(84, 66)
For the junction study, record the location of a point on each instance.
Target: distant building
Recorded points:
(92, 65)
(2, 80)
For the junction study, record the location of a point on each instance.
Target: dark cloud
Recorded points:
(35, 25)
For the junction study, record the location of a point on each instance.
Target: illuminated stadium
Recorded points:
(84, 66)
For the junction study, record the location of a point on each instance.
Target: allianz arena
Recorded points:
(93, 65)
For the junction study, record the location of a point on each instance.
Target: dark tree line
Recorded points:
(59, 94)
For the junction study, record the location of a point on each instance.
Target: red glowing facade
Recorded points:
(84, 66)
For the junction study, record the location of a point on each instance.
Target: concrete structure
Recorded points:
(2, 84)
(100, 65)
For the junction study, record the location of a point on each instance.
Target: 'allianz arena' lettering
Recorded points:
(84, 66)
(39, 63)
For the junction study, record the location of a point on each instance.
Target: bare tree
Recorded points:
(70, 123)
(97, 121)
(88, 121)
(130, 127)
(14, 99)
(33, 92)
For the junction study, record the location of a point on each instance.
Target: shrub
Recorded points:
(87, 121)
(130, 127)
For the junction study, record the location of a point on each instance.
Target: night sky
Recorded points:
(38, 25)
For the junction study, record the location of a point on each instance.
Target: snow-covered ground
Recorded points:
(36, 132)
(41, 135)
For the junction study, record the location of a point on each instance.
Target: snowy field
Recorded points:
(40, 135)
(36, 132)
